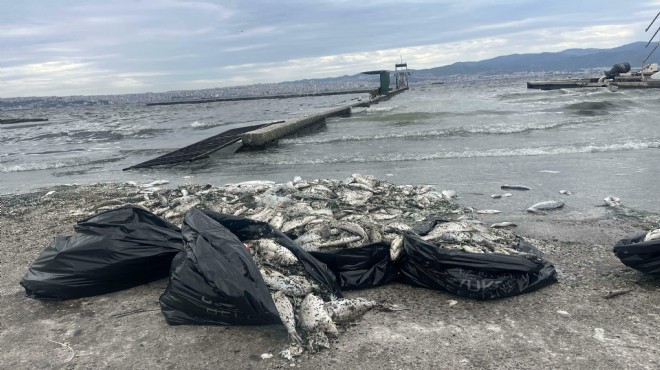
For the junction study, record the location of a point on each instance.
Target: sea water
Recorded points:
(470, 137)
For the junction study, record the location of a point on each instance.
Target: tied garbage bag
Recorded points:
(110, 251)
(641, 255)
(473, 275)
(215, 281)
(363, 267)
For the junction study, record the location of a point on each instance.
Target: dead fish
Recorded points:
(344, 309)
(546, 205)
(368, 180)
(275, 253)
(277, 221)
(396, 247)
(396, 226)
(448, 228)
(504, 224)
(514, 187)
(356, 197)
(290, 225)
(652, 235)
(308, 237)
(449, 194)
(613, 202)
(314, 317)
(361, 186)
(340, 242)
(488, 211)
(293, 285)
(565, 192)
(264, 215)
(287, 315)
(351, 227)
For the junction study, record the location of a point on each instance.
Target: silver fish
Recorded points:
(340, 242)
(293, 285)
(652, 235)
(275, 253)
(314, 317)
(396, 226)
(350, 227)
(263, 215)
(514, 187)
(290, 225)
(449, 194)
(487, 211)
(277, 221)
(504, 224)
(308, 237)
(368, 180)
(546, 205)
(448, 228)
(343, 309)
(287, 316)
(396, 247)
(613, 202)
(357, 185)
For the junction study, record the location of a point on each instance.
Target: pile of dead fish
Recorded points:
(472, 236)
(309, 312)
(319, 214)
(328, 214)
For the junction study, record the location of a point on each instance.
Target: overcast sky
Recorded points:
(86, 47)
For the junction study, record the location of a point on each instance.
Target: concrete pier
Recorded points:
(271, 134)
(258, 136)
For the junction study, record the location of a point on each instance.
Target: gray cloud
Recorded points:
(73, 47)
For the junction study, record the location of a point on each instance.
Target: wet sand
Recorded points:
(569, 324)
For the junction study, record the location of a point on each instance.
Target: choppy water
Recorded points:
(468, 137)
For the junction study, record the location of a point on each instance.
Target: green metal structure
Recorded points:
(384, 80)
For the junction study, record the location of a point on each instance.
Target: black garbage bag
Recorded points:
(638, 254)
(473, 275)
(364, 267)
(248, 229)
(110, 251)
(215, 281)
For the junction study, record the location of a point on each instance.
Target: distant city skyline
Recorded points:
(74, 47)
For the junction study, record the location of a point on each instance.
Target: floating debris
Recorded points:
(488, 211)
(565, 192)
(544, 206)
(515, 187)
(613, 202)
(504, 224)
(449, 194)
(652, 235)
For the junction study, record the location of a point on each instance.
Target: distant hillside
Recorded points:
(568, 60)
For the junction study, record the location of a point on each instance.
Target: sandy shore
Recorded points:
(566, 325)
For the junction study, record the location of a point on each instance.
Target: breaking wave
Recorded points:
(505, 152)
(500, 129)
